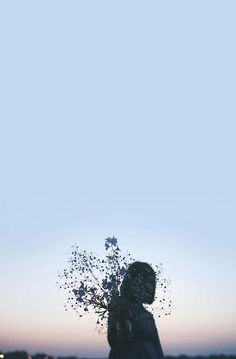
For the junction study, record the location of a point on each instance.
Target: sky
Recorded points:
(117, 118)
(193, 235)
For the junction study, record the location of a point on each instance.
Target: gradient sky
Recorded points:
(118, 118)
(193, 235)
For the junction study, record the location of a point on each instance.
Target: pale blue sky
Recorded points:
(118, 95)
(118, 118)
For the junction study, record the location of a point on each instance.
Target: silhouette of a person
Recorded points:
(132, 333)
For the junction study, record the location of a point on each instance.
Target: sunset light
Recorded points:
(117, 179)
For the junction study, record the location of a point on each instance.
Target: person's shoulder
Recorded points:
(138, 310)
(147, 314)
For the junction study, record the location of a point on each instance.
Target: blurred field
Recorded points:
(25, 355)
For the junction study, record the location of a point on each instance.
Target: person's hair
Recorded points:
(133, 284)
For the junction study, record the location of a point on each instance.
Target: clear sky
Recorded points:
(193, 235)
(118, 118)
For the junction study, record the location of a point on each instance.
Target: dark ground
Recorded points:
(24, 355)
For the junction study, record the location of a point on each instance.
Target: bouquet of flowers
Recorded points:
(92, 283)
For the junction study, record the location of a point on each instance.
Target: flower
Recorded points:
(110, 242)
(93, 284)
(123, 270)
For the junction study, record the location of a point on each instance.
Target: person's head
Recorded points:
(139, 283)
